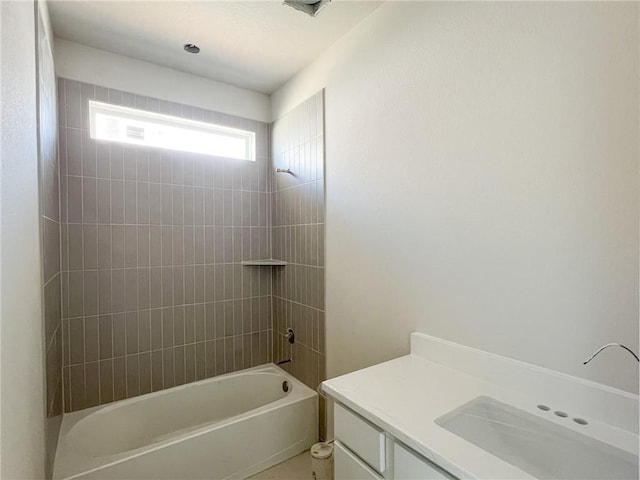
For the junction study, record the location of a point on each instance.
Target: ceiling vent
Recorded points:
(191, 48)
(310, 7)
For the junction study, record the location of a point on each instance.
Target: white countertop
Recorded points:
(406, 395)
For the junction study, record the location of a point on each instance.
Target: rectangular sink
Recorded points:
(539, 447)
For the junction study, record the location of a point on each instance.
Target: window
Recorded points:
(138, 127)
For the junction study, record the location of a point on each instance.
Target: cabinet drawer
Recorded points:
(349, 467)
(360, 436)
(409, 466)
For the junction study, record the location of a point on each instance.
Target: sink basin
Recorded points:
(536, 446)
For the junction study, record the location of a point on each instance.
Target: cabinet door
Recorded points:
(361, 437)
(349, 467)
(409, 466)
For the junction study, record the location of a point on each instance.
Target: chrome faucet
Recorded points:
(612, 345)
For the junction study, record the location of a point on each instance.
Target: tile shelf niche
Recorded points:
(268, 262)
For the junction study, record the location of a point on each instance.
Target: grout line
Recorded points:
(170, 184)
(83, 262)
(173, 317)
(53, 337)
(59, 273)
(113, 387)
(63, 243)
(97, 260)
(137, 285)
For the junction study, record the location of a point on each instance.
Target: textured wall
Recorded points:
(298, 238)
(153, 291)
(22, 403)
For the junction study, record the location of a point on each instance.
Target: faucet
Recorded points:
(612, 345)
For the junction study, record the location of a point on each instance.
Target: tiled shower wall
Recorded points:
(298, 237)
(50, 210)
(50, 233)
(153, 292)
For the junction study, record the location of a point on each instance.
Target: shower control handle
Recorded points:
(291, 336)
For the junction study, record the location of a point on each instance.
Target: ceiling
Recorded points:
(255, 45)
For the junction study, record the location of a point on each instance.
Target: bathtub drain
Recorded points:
(285, 386)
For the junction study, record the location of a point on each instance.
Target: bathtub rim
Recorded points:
(65, 458)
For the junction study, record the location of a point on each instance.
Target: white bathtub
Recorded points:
(226, 427)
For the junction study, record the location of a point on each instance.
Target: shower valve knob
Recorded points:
(291, 337)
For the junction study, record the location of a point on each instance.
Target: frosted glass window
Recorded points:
(138, 127)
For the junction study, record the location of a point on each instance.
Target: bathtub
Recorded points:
(226, 427)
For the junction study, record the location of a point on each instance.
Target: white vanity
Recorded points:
(364, 451)
(448, 411)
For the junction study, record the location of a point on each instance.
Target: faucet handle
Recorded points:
(290, 336)
(612, 345)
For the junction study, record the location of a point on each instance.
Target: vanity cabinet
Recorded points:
(364, 451)
(347, 465)
(361, 437)
(408, 465)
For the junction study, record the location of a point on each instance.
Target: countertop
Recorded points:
(406, 395)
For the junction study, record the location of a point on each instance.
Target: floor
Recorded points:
(298, 467)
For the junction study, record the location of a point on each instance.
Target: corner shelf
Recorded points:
(268, 262)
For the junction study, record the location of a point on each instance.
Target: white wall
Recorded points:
(482, 182)
(21, 329)
(99, 67)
